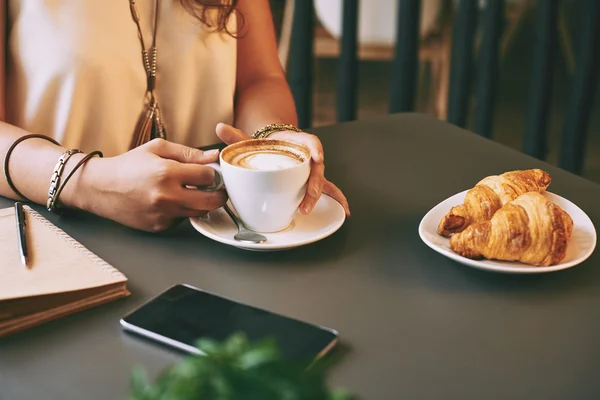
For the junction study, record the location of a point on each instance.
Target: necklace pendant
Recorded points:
(144, 128)
(150, 126)
(158, 128)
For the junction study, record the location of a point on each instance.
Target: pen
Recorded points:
(21, 222)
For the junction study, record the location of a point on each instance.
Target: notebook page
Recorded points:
(57, 263)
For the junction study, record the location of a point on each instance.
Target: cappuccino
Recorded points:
(266, 155)
(265, 180)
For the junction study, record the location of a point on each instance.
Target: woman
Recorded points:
(74, 72)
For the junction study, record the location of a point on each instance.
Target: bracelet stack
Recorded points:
(266, 131)
(57, 184)
(52, 206)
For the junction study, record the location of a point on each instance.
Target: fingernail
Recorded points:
(209, 153)
(306, 209)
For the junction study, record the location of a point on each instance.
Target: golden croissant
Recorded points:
(489, 195)
(529, 229)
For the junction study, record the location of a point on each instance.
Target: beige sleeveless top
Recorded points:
(75, 72)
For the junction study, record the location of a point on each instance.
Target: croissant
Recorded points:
(529, 229)
(489, 195)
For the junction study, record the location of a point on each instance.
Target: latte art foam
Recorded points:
(265, 154)
(266, 160)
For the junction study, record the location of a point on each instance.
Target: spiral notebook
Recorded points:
(62, 276)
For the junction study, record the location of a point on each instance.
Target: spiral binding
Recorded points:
(106, 267)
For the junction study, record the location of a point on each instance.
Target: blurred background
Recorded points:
(539, 48)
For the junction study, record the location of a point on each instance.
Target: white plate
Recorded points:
(326, 218)
(580, 246)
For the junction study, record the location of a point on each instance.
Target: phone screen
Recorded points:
(183, 314)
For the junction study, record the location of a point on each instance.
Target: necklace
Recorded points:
(150, 125)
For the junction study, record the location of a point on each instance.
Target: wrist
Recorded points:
(83, 188)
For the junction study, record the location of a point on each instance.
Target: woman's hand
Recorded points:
(317, 183)
(145, 188)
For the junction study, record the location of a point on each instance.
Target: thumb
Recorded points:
(228, 134)
(181, 153)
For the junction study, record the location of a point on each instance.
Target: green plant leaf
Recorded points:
(235, 369)
(139, 383)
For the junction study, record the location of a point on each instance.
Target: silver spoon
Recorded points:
(244, 234)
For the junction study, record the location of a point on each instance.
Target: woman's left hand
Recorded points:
(317, 183)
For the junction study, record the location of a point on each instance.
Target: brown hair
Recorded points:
(225, 8)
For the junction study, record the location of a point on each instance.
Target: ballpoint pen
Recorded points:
(21, 223)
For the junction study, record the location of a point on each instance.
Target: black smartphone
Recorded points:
(183, 314)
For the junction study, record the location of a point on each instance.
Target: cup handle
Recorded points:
(218, 184)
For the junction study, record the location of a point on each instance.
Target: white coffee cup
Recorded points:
(264, 188)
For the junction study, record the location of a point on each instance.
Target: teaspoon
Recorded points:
(244, 234)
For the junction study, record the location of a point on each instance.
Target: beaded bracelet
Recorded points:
(7, 158)
(51, 204)
(266, 131)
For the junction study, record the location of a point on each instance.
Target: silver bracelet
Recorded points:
(56, 175)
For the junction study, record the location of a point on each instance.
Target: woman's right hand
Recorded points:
(145, 188)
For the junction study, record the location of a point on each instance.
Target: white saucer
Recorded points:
(580, 246)
(326, 218)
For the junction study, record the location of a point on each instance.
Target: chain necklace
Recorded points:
(150, 125)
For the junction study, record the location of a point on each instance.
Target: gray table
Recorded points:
(415, 324)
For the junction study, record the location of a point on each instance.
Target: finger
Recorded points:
(191, 213)
(311, 141)
(202, 201)
(181, 153)
(194, 175)
(314, 188)
(333, 191)
(228, 134)
(174, 222)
